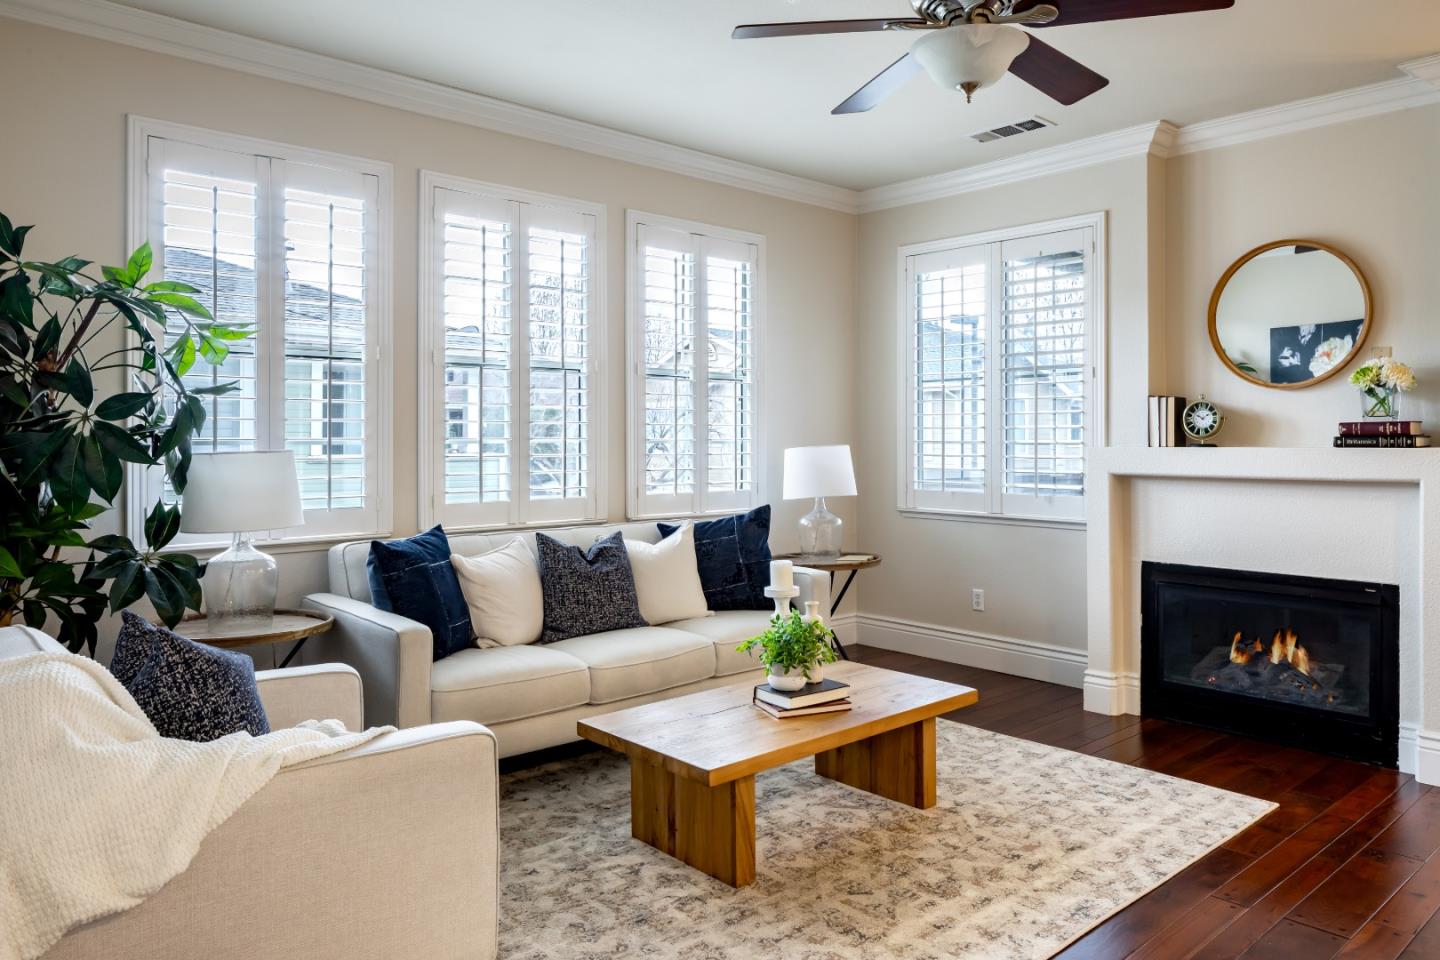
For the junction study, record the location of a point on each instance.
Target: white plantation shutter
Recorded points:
(1000, 377)
(511, 293)
(290, 250)
(693, 345)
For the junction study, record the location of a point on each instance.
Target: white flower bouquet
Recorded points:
(1381, 381)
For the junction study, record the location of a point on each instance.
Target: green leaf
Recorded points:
(182, 355)
(15, 300)
(8, 566)
(128, 585)
(31, 451)
(216, 390)
(171, 286)
(115, 275)
(78, 383)
(183, 303)
(162, 525)
(223, 332)
(166, 594)
(123, 405)
(213, 351)
(7, 236)
(68, 483)
(121, 443)
(48, 340)
(104, 472)
(139, 264)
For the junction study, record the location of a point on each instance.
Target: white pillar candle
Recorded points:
(782, 574)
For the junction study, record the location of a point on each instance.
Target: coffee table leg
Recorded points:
(899, 765)
(710, 828)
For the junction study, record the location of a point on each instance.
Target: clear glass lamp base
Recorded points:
(240, 586)
(820, 532)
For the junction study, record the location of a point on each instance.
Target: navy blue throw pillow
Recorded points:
(414, 578)
(733, 554)
(586, 591)
(188, 690)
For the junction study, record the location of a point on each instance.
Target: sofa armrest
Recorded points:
(336, 858)
(814, 585)
(323, 691)
(391, 653)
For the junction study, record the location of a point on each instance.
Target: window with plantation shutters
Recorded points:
(1000, 371)
(286, 245)
(509, 308)
(693, 321)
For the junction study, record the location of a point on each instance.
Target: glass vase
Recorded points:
(1380, 403)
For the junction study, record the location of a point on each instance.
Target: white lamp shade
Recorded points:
(242, 491)
(978, 53)
(819, 472)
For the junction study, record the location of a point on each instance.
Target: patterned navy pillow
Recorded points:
(188, 690)
(414, 578)
(586, 592)
(734, 559)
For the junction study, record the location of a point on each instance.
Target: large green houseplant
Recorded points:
(63, 448)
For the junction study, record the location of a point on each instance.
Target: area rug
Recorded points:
(1028, 848)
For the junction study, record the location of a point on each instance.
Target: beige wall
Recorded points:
(63, 168)
(1367, 187)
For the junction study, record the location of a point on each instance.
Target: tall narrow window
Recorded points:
(510, 302)
(289, 247)
(693, 324)
(1000, 373)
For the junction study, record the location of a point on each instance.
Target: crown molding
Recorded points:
(168, 35)
(1426, 70)
(1134, 141)
(1373, 100)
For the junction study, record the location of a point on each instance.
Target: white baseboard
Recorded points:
(1422, 756)
(1113, 694)
(1023, 658)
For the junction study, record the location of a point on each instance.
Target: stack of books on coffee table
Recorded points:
(827, 696)
(1382, 433)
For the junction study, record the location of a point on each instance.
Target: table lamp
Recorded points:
(819, 472)
(240, 493)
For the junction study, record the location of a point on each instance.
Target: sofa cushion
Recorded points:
(586, 591)
(641, 660)
(414, 578)
(733, 554)
(497, 684)
(667, 581)
(502, 589)
(727, 630)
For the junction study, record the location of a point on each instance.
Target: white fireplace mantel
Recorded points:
(1358, 514)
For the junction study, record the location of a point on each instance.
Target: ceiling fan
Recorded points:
(968, 45)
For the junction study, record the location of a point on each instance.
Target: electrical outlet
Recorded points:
(977, 600)
(1383, 352)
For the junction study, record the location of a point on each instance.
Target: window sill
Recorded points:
(315, 544)
(1051, 523)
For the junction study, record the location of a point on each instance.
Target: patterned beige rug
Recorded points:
(1028, 848)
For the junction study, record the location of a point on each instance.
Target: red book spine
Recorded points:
(1380, 428)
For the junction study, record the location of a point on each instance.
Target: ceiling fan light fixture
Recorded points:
(969, 56)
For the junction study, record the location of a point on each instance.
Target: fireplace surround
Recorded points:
(1305, 661)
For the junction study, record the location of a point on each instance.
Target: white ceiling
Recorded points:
(669, 70)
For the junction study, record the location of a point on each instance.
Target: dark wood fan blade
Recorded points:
(750, 31)
(886, 82)
(1056, 75)
(1094, 11)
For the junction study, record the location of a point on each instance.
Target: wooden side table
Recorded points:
(847, 563)
(288, 625)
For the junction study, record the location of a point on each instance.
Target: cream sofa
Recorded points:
(340, 858)
(529, 696)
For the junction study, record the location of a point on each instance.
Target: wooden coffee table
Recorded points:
(693, 759)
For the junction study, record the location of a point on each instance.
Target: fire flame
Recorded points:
(1284, 648)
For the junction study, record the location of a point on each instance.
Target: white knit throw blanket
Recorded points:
(97, 810)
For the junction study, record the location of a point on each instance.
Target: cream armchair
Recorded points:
(389, 850)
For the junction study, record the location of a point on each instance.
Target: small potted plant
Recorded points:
(1381, 381)
(794, 650)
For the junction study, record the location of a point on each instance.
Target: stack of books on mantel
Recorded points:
(827, 696)
(1382, 433)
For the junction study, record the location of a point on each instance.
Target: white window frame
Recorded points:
(143, 484)
(517, 513)
(702, 502)
(991, 505)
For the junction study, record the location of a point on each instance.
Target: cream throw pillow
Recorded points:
(667, 577)
(502, 590)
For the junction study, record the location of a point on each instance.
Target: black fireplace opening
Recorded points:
(1305, 661)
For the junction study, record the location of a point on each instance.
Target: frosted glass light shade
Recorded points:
(242, 491)
(819, 472)
(972, 53)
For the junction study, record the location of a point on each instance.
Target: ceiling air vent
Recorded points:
(1012, 129)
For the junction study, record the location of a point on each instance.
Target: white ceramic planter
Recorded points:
(792, 680)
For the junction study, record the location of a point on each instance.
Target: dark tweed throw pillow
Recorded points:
(586, 592)
(733, 554)
(188, 690)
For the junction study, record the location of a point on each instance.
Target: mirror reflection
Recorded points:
(1290, 314)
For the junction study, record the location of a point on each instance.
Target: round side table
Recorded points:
(288, 625)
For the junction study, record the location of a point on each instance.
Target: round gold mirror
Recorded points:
(1290, 314)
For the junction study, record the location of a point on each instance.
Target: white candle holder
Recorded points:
(782, 597)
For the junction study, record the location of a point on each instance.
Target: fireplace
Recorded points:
(1300, 660)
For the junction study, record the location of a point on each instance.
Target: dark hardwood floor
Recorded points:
(1347, 867)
